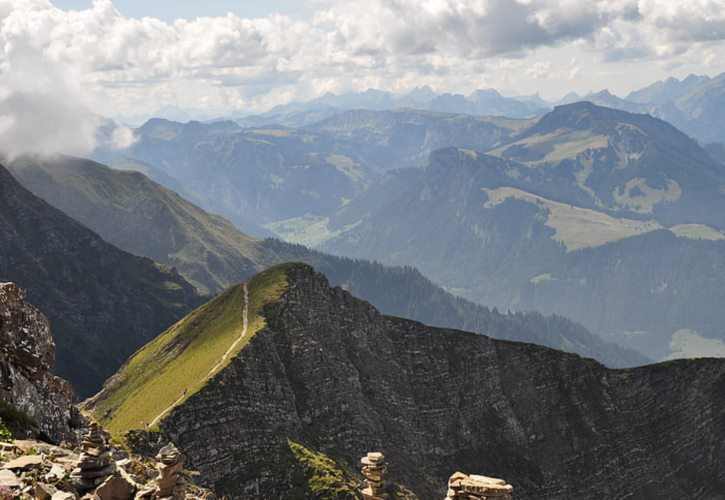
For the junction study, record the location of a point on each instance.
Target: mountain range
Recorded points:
(538, 209)
(578, 215)
(693, 104)
(144, 218)
(597, 227)
(249, 176)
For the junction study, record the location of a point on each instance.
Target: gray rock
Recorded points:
(9, 479)
(25, 462)
(27, 354)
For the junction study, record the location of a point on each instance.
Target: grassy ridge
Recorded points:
(178, 362)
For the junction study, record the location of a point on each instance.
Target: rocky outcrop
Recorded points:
(332, 373)
(35, 401)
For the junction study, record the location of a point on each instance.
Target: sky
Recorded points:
(170, 10)
(131, 57)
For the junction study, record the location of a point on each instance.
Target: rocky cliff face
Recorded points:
(330, 372)
(31, 397)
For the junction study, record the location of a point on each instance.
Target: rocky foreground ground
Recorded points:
(31, 469)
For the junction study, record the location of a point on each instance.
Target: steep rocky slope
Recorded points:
(33, 402)
(324, 370)
(103, 303)
(141, 217)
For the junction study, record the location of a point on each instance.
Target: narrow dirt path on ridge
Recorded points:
(245, 324)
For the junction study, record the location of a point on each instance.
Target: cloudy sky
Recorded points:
(127, 57)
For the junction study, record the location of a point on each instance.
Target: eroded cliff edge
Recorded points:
(33, 401)
(330, 372)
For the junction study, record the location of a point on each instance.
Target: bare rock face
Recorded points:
(331, 372)
(24, 332)
(27, 354)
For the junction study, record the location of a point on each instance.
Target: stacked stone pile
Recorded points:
(170, 483)
(96, 461)
(475, 487)
(373, 470)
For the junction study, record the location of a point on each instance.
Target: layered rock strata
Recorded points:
(329, 371)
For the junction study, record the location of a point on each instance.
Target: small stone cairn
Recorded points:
(170, 483)
(476, 487)
(96, 461)
(373, 470)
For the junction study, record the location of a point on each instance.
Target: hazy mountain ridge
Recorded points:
(405, 137)
(143, 218)
(565, 230)
(488, 102)
(632, 164)
(137, 215)
(249, 176)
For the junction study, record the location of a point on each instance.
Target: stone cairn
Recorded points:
(475, 487)
(96, 461)
(373, 470)
(170, 483)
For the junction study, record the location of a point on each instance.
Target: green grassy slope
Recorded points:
(180, 361)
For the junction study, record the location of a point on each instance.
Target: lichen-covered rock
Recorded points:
(331, 372)
(27, 388)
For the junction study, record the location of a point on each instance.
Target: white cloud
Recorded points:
(44, 108)
(128, 66)
(539, 70)
(40, 109)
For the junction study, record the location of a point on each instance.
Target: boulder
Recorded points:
(9, 479)
(116, 488)
(26, 462)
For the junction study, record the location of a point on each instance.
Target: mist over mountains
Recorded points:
(528, 212)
